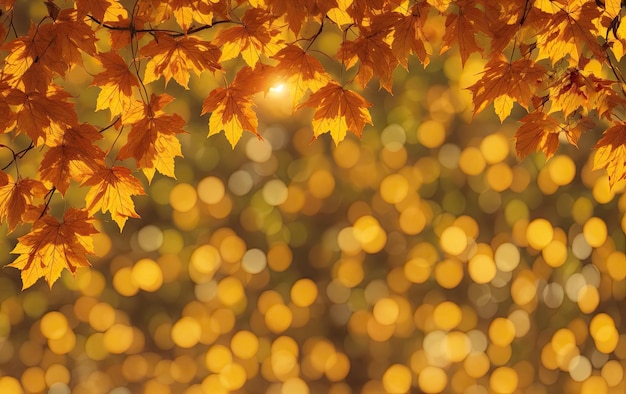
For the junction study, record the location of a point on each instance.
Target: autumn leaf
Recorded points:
(611, 153)
(70, 38)
(372, 53)
(111, 191)
(52, 246)
(461, 29)
(505, 83)
(230, 112)
(409, 36)
(101, 10)
(116, 83)
(255, 37)
(152, 138)
(231, 107)
(296, 12)
(75, 158)
(538, 132)
(26, 65)
(338, 110)
(186, 11)
(301, 71)
(571, 29)
(175, 58)
(16, 197)
(43, 117)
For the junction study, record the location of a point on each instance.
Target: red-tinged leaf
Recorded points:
(111, 191)
(75, 158)
(513, 82)
(176, 57)
(4, 178)
(538, 132)
(43, 117)
(255, 37)
(52, 246)
(338, 110)
(116, 83)
(611, 153)
(152, 139)
(16, 197)
(301, 71)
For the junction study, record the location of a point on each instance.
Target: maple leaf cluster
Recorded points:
(556, 59)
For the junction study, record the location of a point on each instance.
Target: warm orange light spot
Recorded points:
(278, 88)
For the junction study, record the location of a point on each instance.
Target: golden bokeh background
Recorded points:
(423, 258)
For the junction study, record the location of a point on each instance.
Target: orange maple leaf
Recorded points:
(231, 107)
(462, 28)
(175, 57)
(16, 197)
(111, 191)
(301, 71)
(75, 158)
(296, 12)
(409, 36)
(102, 10)
(116, 83)
(51, 246)
(338, 110)
(375, 57)
(48, 49)
(43, 117)
(571, 28)
(26, 65)
(70, 38)
(611, 153)
(505, 83)
(539, 132)
(250, 40)
(186, 11)
(152, 139)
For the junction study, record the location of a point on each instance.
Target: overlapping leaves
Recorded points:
(556, 59)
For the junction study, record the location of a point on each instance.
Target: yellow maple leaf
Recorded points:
(111, 191)
(338, 110)
(152, 139)
(176, 57)
(611, 153)
(232, 107)
(302, 72)
(230, 112)
(516, 81)
(255, 37)
(52, 246)
(116, 84)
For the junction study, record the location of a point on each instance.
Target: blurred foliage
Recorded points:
(424, 257)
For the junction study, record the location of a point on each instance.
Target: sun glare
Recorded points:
(278, 88)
